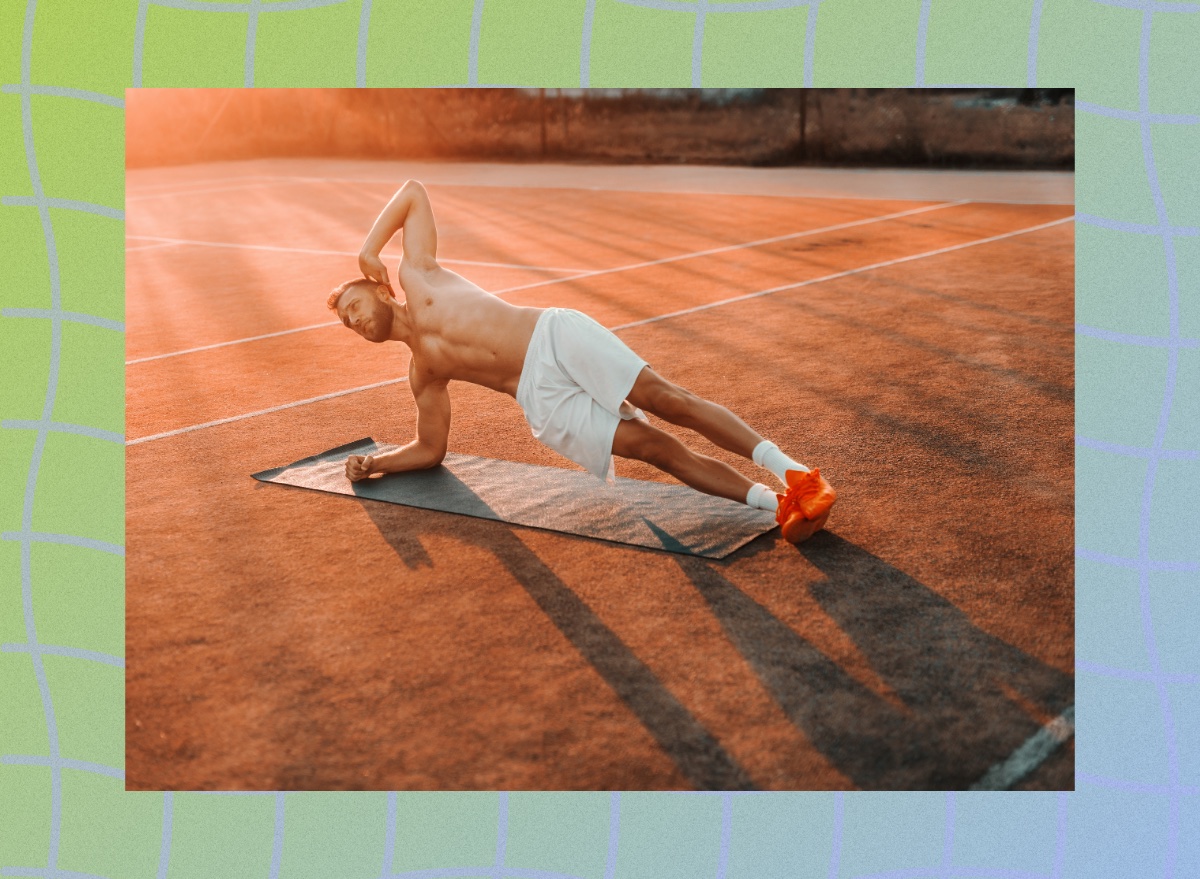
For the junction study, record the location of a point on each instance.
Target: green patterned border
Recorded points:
(64, 65)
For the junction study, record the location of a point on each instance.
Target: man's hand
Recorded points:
(372, 267)
(359, 467)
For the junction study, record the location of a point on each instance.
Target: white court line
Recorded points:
(1031, 755)
(728, 247)
(835, 275)
(285, 179)
(205, 190)
(209, 181)
(275, 248)
(587, 274)
(878, 265)
(741, 193)
(146, 439)
(332, 323)
(154, 246)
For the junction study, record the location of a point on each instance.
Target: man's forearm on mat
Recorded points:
(414, 456)
(391, 219)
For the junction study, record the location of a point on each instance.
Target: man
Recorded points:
(581, 388)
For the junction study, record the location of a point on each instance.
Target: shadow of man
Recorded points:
(693, 749)
(967, 698)
(961, 689)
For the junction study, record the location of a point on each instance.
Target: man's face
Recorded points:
(363, 310)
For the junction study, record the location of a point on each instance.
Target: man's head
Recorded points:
(365, 307)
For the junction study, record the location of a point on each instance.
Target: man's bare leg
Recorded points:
(679, 406)
(714, 422)
(643, 442)
(801, 512)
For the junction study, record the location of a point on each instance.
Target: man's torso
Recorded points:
(463, 333)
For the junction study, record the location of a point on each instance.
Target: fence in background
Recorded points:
(1020, 128)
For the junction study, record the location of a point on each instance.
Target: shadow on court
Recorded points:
(962, 699)
(954, 719)
(693, 749)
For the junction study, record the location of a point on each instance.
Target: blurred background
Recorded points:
(1031, 129)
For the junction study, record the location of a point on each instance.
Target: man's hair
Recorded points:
(341, 288)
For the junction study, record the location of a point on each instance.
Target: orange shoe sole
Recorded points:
(797, 529)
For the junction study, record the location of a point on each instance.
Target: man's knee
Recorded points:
(661, 450)
(649, 444)
(675, 458)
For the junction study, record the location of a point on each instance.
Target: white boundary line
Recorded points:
(814, 196)
(1030, 755)
(586, 274)
(153, 246)
(274, 248)
(332, 323)
(205, 190)
(146, 439)
(145, 188)
(200, 187)
(835, 275)
(728, 247)
(867, 268)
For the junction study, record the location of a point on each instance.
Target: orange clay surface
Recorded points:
(285, 639)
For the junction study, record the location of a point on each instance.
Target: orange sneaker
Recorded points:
(803, 510)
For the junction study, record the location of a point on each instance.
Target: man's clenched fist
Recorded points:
(359, 467)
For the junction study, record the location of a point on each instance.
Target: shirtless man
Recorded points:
(581, 388)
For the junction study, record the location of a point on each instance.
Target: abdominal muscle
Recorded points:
(464, 333)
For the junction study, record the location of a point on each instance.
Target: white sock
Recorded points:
(767, 454)
(761, 497)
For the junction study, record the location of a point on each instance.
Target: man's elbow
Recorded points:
(432, 455)
(415, 187)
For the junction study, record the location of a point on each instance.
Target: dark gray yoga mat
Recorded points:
(670, 517)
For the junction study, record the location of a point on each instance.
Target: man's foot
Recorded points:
(803, 510)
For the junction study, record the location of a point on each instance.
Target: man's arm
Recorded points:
(411, 211)
(433, 429)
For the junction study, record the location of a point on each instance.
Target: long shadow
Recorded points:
(860, 733)
(943, 653)
(694, 750)
(956, 682)
(967, 699)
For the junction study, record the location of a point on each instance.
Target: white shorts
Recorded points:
(573, 387)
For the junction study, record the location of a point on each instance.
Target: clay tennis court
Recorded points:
(917, 347)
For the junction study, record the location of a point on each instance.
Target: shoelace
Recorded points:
(788, 503)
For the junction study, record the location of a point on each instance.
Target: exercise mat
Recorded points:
(674, 518)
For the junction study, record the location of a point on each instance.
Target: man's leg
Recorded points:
(679, 406)
(643, 442)
(809, 497)
(672, 403)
